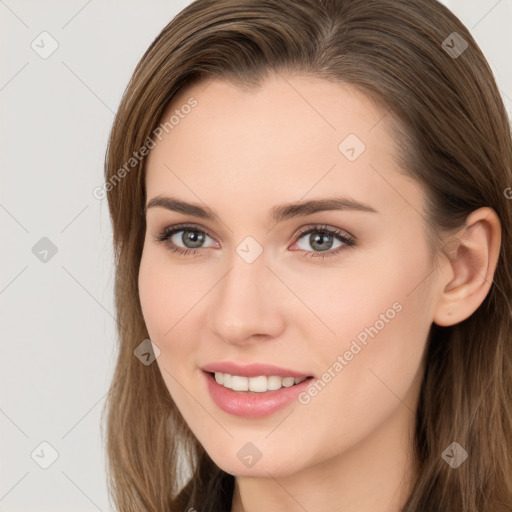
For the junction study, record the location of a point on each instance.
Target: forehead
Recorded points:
(290, 136)
(277, 102)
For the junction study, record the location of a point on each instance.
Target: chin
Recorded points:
(262, 468)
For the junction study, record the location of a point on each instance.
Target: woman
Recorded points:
(312, 235)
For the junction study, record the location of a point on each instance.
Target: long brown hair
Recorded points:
(453, 137)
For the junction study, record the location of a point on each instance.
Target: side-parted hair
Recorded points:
(452, 135)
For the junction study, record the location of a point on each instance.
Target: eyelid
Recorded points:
(326, 228)
(174, 228)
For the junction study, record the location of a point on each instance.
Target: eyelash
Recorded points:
(342, 236)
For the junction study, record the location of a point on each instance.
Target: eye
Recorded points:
(190, 236)
(322, 238)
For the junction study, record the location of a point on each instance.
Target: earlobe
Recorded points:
(471, 259)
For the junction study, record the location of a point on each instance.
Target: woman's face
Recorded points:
(265, 283)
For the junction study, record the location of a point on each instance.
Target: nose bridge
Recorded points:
(245, 302)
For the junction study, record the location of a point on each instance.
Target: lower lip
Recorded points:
(251, 404)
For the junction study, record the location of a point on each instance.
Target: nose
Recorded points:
(247, 303)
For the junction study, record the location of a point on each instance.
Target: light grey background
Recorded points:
(58, 327)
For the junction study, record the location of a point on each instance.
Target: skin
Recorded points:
(241, 152)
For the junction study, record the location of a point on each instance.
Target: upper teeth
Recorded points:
(259, 384)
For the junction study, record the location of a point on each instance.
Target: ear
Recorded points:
(469, 266)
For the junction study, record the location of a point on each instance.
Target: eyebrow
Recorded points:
(277, 213)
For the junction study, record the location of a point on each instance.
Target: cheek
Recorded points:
(371, 371)
(169, 293)
(161, 309)
(153, 299)
(375, 317)
(359, 294)
(166, 293)
(381, 325)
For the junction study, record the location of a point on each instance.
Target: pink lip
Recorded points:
(250, 404)
(251, 370)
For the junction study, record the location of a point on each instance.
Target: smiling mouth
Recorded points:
(255, 385)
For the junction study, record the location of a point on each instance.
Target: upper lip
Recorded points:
(251, 370)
